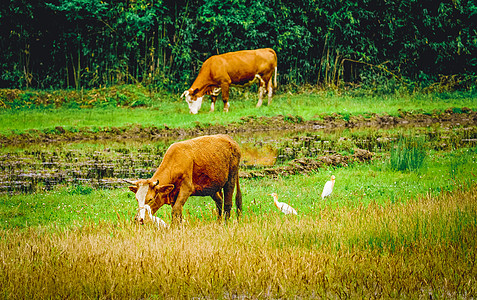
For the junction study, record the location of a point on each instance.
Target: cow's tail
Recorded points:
(238, 199)
(275, 85)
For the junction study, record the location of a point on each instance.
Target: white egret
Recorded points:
(328, 187)
(156, 220)
(283, 207)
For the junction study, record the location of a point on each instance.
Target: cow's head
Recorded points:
(193, 100)
(150, 193)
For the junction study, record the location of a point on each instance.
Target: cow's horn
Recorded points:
(130, 181)
(184, 94)
(156, 183)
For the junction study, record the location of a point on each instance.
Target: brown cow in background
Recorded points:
(203, 166)
(241, 68)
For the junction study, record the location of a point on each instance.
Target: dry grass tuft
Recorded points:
(426, 247)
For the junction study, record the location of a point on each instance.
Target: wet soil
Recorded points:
(465, 116)
(306, 165)
(36, 170)
(274, 146)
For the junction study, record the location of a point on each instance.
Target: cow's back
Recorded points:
(214, 151)
(207, 161)
(265, 54)
(259, 59)
(248, 61)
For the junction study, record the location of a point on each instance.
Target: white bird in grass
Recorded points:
(156, 220)
(283, 207)
(328, 187)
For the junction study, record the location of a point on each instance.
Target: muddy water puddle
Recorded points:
(103, 164)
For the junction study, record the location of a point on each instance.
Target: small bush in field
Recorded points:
(408, 154)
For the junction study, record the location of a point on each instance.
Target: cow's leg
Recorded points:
(225, 95)
(228, 195)
(218, 198)
(184, 194)
(238, 198)
(261, 90)
(212, 105)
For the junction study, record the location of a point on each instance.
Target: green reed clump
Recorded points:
(408, 154)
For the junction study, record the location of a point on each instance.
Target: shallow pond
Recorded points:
(104, 163)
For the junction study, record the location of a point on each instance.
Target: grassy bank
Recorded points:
(168, 109)
(422, 248)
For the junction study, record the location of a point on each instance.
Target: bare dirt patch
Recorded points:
(464, 116)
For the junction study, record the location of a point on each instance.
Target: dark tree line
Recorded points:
(162, 43)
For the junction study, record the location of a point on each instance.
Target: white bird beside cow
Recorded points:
(156, 220)
(283, 207)
(328, 188)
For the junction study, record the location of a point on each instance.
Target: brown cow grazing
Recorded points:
(203, 166)
(241, 68)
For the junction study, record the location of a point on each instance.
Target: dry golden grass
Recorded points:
(425, 247)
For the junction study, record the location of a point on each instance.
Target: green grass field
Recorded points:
(171, 110)
(383, 232)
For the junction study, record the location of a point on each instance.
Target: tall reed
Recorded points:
(425, 247)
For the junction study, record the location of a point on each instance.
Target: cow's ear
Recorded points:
(133, 188)
(164, 189)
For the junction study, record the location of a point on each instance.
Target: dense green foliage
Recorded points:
(162, 43)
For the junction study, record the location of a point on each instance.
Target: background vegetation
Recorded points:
(162, 43)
